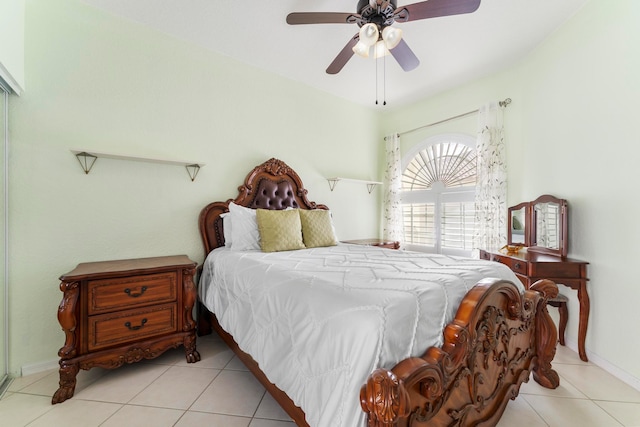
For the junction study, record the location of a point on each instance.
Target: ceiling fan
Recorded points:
(375, 19)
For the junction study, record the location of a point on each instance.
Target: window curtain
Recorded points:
(392, 185)
(491, 184)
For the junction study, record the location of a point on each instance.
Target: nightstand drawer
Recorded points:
(116, 328)
(516, 265)
(128, 292)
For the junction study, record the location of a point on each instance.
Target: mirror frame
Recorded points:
(562, 226)
(525, 221)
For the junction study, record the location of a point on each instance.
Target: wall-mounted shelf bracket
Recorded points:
(88, 158)
(193, 170)
(86, 161)
(370, 184)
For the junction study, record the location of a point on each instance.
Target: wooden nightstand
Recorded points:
(390, 244)
(116, 312)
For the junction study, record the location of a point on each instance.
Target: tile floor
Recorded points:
(219, 392)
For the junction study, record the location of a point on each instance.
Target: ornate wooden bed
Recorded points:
(498, 338)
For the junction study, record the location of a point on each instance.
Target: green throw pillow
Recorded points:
(317, 230)
(279, 230)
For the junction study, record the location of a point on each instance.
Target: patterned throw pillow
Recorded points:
(317, 229)
(280, 230)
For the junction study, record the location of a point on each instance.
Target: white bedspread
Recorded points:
(319, 321)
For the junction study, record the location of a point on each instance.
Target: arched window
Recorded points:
(438, 192)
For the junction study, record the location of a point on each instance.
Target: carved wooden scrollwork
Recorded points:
(190, 349)
(497, 338)
(546, 336)
(68, 372)
(189, 298)
(276, 167)
(67, 319)
(384, 398)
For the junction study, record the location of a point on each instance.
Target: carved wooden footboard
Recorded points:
(496, 340)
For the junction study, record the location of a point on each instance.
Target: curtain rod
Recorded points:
(501, 103)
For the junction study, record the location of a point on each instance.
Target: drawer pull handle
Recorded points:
(517, 265)
(135, 328)
(128, 292)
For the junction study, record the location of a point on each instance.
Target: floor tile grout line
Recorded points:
(147, 386)
(573, 398)
(610, 414)
(106, 419)
(205, 389)
(607, 412)
(51, 408)
(536, 412)
(572, 367)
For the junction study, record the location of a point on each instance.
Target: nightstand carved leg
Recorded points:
(190, 295)
(66, 317)
(189, 324)
(190, 348)
(68, 373)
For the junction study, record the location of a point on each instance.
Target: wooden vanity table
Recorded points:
(540, 228)
(533, 266)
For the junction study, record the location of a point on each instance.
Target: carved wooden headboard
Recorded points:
(271, 185)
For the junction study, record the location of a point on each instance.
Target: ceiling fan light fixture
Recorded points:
(369, 34)
(391, 37)
(361, 49)
(380, 50)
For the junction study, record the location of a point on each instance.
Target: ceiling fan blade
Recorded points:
(405, 56)
(344, 56)
(434, 9)
(297, 18)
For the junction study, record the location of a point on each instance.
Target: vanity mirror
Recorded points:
(548, 216)
(518, 225)
(540, 225)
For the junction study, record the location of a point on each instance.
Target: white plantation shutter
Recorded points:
(457, 228)
(438, 192)
(419, 224)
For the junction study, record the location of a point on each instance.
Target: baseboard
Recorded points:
(621, 374)
(35, 368)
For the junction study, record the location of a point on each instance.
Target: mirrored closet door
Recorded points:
(4, 136)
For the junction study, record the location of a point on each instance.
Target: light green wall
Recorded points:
(101, 83)
(12, 43)
(572, 132)
(98, 82)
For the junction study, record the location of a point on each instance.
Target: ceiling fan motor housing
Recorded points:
(381, 14)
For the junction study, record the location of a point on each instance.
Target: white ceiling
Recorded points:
(452, 50)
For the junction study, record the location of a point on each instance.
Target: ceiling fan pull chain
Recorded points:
(384, 80)
(376, 61)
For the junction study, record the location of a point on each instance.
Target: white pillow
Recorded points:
(226, 226)
(244, 231)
